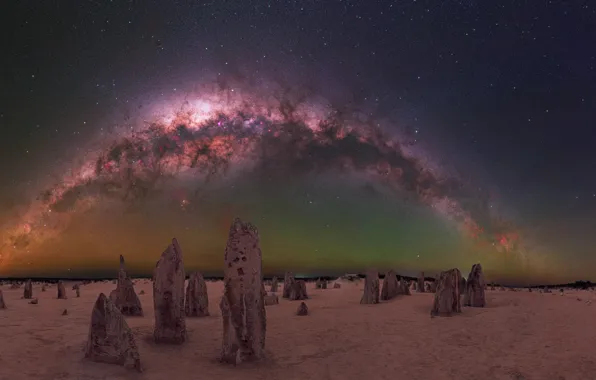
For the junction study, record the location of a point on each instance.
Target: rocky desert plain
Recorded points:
(179, 326)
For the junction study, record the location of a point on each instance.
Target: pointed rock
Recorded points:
(196, 303)
(124, 297)
(371, 288)
(420, 284)
(288, 284)
(65, 312)
(168, 296)
(274, 285)
(2, 303)
(298, 291)
(242, 305)
(302, 309)
(474, 290)
(391, 286)
(110, 340)
(447, 300)
(61, 291)
(28, 290)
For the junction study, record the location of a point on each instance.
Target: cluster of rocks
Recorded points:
(242, 305)
(448, 288)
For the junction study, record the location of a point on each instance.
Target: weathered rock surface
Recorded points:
(447, 300)
(474, 294)
(61, 291)
(302, 309)
(168, 296)
(197, 302)
(28, 290)
(242, 305)
(420, 284)
(288, 284)
(371, 288)
(124, 297)
(391, 286)
(274, 285)
(298, 291)
(462, 286)
(110, 340)
(2, 303)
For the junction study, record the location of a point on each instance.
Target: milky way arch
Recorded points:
(221, 131)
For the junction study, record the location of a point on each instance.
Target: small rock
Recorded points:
(302, 309)
(34, 301)
(336, 285)
(65, 312)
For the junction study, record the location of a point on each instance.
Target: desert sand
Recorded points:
(519, 335)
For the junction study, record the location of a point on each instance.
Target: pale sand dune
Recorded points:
(520, 335)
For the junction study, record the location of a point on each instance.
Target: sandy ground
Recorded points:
(520, 335)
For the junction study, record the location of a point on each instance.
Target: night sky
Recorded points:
(414, 135)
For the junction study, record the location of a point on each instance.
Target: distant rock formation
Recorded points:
(302, 309)
(371, 288)
(413, 285)
(124, 297)
(288, 284)
(298, 291)
(43, 288)
(391, 286)
(242, 305)
(28, 290)
(271, 299)
(404, 288)
(78, 292)
(2, 303)
(61, 291)
(420, 284)
(474, 290)
(168, 296)
(274, 285)
(110, 340)
(447, 300)
(427, 287)
(197, 302)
